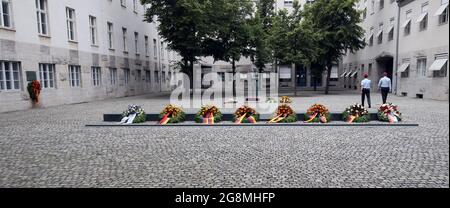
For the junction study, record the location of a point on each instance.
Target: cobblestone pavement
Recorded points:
(52, 148)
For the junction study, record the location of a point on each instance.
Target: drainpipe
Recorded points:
(397, 48)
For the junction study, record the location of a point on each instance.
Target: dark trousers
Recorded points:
(384, 93)
(366, 93)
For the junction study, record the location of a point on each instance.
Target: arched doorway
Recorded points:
(385, 63)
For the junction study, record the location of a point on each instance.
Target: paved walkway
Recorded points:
(52, 148)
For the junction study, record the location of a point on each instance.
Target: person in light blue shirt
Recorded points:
(365, 90)
(385, 85)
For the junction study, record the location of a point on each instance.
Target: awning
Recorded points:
(379, 33)
(371, 36)
(354, 74)
(406, 23)
(422, 17)
(438, 64)
(404, 67)
(344, 74)
(390, 28)
(441, 10)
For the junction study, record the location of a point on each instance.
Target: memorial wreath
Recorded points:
(389, 113)
(172, 114)
(208, 114)
(356, 113)
(245, 114)
(317, 113)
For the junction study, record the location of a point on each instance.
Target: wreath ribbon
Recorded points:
(165, 120)
(209, 119)
(278, 119)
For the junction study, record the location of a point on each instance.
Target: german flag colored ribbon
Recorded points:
(251, 119)
(240, 119)
(277, 119)
(209, 119)
(351, 119)
(312, 117)
(165, 120)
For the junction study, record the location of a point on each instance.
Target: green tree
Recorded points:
(184, 26)
(261, 25)
(230, 21)
(335, 25)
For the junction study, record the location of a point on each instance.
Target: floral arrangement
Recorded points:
(284, 114)
(208, 114)
(285, 100)
(356, 113)
(172, 114)
(34, 88)
(134, 114)
(317, 113)
(389, 113)
(245, 114)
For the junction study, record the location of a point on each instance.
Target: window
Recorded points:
(443, 12)
(113, 76)
(71, 24)
(288, 3)
(136, 43)
(371, 36)
(407, 24)
(42, 17)
(404, 68)
(391, 29)
(138, 75)
(47, 75)
(123, 3)
(156, 75)
(365, 13)
(422, 66)
(74, 76)
(380, 34)
(155, 49)
(10, 76)
(373, 7)
(124, 39)
(96, 76)
(163, 76)
(110, 35)
(93, 30)
(135, 4)
(162, 51)
(440, 65)
(126, 76)
(370, 69)
(146, 46)
(5, 14)
(148, 77)
(381, 4)
(423, 18)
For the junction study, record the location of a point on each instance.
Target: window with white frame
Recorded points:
(391, 29)
(422, 67)
(93, 30)
(146, 44)
(136, 43)
(124, 39)
(10, 76)
(113, 76)
(74, 76)
(110, 35)
(47, 76)
(71, 24)
(96, 73)
(126, 76)
(6, 14)
(443, 12)
(42, 17)
(380, 33)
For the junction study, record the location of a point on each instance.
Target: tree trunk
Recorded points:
(191, 74)
(327, 86)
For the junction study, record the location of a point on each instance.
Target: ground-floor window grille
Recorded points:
(75, 76)
(47, 75)
(10, 75)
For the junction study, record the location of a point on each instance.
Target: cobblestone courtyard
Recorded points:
(53, 148)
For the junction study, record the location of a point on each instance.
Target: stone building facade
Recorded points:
(406, 39)
(79, 53)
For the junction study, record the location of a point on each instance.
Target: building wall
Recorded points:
(22, 43)
(426, 43)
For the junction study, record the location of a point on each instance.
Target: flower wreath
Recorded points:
(245, 114)
(172, 114)
(389, 113)
(356, 113)
(140, 117)
(318, 113)
(208, 114)
(34, 88)
(284, 114)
